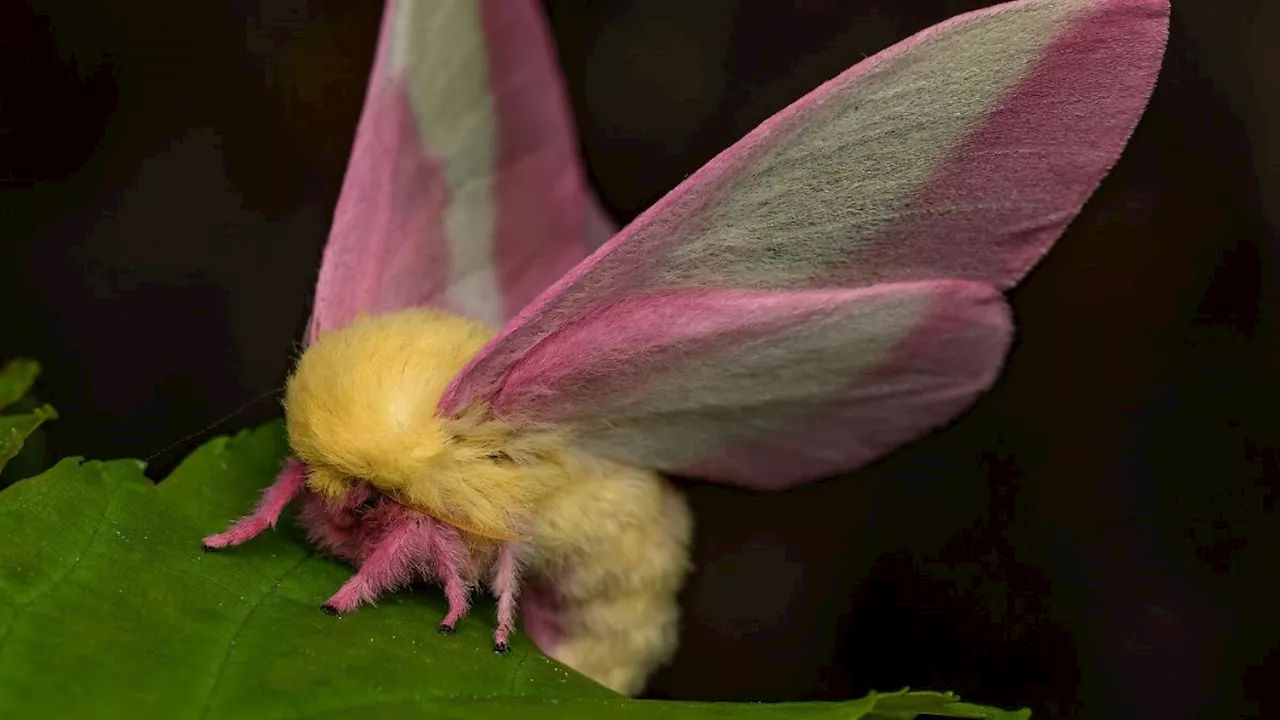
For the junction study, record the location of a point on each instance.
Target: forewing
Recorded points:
(464, 188)
(830, 286)
(960, 153)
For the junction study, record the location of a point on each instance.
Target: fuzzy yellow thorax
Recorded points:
(361, 405)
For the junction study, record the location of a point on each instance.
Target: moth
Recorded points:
(490, 396)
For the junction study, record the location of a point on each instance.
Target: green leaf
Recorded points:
(907, 705)
(109, 608)
(16, 379)
(14, 430)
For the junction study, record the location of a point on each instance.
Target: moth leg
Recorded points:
(390, 565)
(265, 514)
(506, 586)
(448, 558)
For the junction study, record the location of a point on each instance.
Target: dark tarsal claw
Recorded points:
(208, 548)
(447, 629)
(502, 648)
(331, 610)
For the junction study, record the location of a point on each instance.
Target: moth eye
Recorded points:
(499, 458)
(363, 497)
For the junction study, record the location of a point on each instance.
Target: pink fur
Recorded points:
(391, 546)
(392, 562)
(334, 528)
(449, 558)
(265, 514)
(506, 586)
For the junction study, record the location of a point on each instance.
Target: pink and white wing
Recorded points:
(830, 286)
(464, 190)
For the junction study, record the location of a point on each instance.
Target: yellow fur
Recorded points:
(617, 545)
(361, 404)
(612, 539)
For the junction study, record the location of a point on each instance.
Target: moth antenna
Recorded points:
(187, 438)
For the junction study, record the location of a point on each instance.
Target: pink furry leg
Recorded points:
(391, 564)
(448, 558)
(267, 512)
(506, 586)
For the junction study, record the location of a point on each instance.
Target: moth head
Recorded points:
(361, 406)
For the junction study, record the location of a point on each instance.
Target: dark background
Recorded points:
(1095, 539)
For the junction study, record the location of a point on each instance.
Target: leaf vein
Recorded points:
(231, 642)
(20, 606)
(515, 673)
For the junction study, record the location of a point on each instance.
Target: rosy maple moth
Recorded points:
(487, 397)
